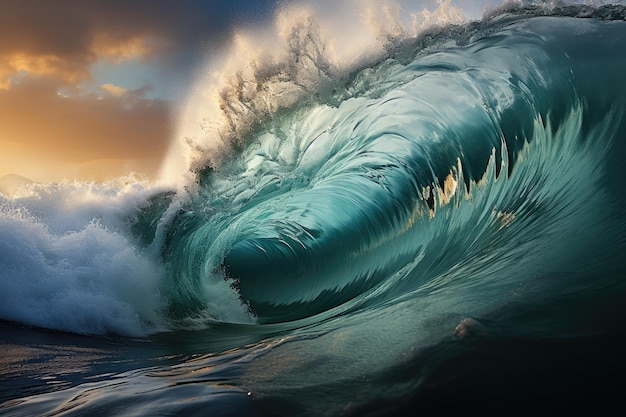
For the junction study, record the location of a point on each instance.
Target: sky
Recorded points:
(88, 89)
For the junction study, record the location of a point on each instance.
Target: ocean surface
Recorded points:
(437, 228)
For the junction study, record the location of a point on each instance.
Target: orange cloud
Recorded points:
(114, 90)
(16, 63)
(118, 50)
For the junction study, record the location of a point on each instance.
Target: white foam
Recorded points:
(67, 261)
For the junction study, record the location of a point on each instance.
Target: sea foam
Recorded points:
(68, 263)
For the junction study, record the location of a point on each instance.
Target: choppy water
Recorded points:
(439, 229)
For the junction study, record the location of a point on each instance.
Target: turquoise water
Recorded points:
(440, 229)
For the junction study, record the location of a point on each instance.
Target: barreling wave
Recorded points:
(462, 154)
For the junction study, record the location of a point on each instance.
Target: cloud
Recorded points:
(114, 90)
(118, 50)
(16, 63)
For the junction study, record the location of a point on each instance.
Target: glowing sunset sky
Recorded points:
(88, 88)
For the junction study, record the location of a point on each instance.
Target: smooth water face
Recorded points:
(361, 250)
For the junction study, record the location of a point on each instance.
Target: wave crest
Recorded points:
(300, 62)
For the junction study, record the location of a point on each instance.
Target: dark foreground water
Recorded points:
(439, 231)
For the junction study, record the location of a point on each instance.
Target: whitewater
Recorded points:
(426, 215)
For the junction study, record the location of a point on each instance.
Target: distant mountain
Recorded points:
(10, 183)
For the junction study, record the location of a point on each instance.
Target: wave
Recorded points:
(462, 132)
(471, 155)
